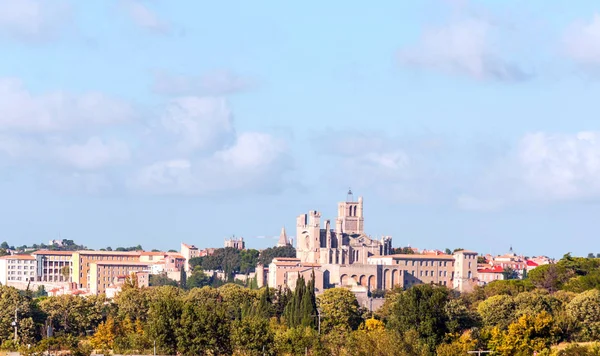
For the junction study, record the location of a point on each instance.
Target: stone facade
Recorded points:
(345, 256)
(345, 244)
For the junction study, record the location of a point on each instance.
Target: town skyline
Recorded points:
(463, 124)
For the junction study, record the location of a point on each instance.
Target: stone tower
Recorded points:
(308, 236)
(283, 240)
(350, 218)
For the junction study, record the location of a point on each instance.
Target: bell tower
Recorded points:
(350, 215)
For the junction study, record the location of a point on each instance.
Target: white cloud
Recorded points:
(33, 19)
(256, 162)
(463, 47)
(143, 17)
(543, 167)
(213, 83)
(94, 154)
(58, 110)
(582, 42)
(396, 170)
(199, 123)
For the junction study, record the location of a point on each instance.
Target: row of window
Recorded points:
(21, 262)
(19, 267)
(428, 263)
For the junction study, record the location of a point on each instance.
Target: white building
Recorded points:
(17, 268)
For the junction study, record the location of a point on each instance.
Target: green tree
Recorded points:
(267, 255)
(252, 336)
(421, 308)
(74, 315)
(585, 308)
(497, 311)
(198, 279)
(339, 310)
(182, 279)
(163, 317)
(204, 327)
(550, 277)
(157, 280)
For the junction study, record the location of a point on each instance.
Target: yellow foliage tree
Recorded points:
(104, 338)
(525, 336)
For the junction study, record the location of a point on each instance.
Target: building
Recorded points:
(283, 239)
(238, 243)
(344, 255)
(104, 273)
(489, 273)
(53, 266)
(17, 268)
(82, 260)
(188, 252)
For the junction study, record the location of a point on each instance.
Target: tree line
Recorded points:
(550, 313)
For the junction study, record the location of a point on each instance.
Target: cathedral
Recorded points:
(345, 244)
(343, 255)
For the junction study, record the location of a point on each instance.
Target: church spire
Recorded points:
(283, 240)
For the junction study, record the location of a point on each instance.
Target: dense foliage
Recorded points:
(555, 312)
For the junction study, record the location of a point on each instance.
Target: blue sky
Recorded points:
(462, 124)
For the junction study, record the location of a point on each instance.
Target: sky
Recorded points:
(462, 124)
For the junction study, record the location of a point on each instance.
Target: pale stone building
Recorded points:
(237, 243)
(344, 255)
(188, 252)
(17, 268)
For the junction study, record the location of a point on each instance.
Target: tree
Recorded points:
(104, 337)
(73, 315)
(591, 255)
(421, 308)
(248, 260)
(198, 279)
(339, 310)
(509, 273)
(585, 308)
(4, 245)
(252, 336)
(481, 259)
(204, 328)
(267, 255)
(525, 336)
(497, 311)
(182, 279)
(164, 313)
(550, 277)
(157, 280)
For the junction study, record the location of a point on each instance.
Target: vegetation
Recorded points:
(554, 312)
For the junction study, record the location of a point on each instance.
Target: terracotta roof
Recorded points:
(419, 257)
(531, 263)
(18, 257)
(495, 269)
(175, 255)
(50, 252)
(110, 253)
(121, 263)
(189, 246)
(286, 259)
(153, 253)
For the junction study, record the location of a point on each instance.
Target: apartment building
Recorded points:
(82, 261)
(188, 252)
(103, 274)
(17, 268)
(53, 266)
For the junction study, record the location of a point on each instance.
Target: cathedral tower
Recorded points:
(350, 215)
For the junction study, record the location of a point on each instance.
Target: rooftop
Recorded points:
(18, 257)
(55, 253)
(123, 263)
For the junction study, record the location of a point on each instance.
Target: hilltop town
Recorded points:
(338, 254)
